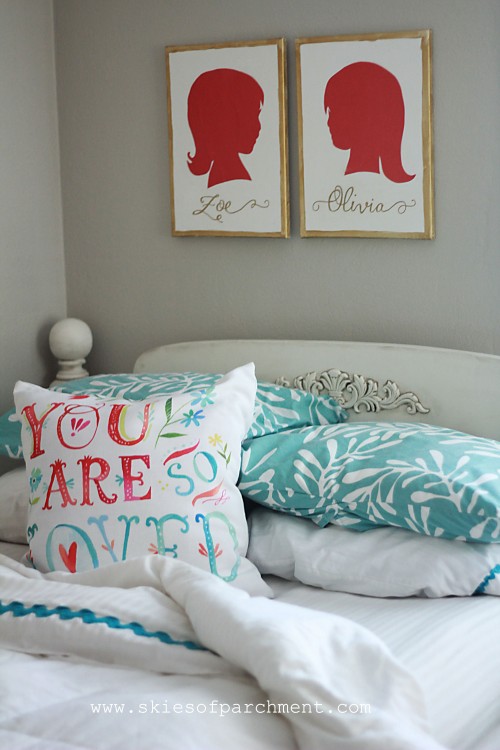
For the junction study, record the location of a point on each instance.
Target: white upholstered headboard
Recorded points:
(388, 382)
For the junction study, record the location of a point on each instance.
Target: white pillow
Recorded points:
(115, 479)
(14, 502)
(385, 561)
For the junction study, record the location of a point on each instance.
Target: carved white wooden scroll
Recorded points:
(357, 392)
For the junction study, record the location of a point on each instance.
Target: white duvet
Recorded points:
(153, 653)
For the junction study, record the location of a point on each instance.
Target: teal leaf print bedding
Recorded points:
(428, 479)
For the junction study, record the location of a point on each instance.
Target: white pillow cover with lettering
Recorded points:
(114, 479)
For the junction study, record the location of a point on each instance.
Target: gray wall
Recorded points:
(32, 284)
(138, 287)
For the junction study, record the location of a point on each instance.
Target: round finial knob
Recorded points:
(70, 341)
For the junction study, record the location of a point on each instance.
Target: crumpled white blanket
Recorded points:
(165, 616)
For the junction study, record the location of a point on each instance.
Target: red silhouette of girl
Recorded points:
(366, 114)
(223, 114)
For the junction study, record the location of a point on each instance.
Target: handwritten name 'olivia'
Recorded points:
(214, 207)
(346, 201)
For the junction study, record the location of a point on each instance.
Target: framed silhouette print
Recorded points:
(365, 135)
(228, 139)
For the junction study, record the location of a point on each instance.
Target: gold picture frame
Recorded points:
(228, 139)
(365, 135)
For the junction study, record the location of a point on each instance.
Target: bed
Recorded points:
(355, 625)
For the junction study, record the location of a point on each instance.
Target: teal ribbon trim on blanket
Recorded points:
(490, 577)
(18, 609)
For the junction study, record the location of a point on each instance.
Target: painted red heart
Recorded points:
(69, 556)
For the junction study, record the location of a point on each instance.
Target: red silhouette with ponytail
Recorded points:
(366, 115)
(223, 114)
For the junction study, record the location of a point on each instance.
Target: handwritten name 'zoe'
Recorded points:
(214, 207)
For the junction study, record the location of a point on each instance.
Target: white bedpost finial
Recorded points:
(70, 342)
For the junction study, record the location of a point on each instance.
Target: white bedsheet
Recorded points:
(148, 656)
(450, 645)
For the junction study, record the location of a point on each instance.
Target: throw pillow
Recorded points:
(113, 479)
(429, 479)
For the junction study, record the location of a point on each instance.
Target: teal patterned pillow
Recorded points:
(431, 480)
(138, 387)
(277, 408)
(10, 435)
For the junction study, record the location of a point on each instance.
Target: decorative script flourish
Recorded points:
(345, 201)
(214, 207)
